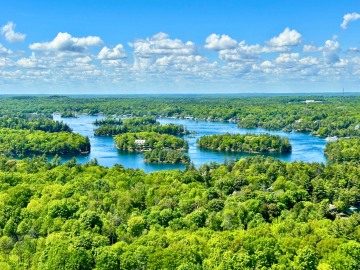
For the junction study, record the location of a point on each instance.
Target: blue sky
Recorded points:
(133, 46)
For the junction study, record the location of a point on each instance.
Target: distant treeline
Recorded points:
(323, 116)
(251, 143)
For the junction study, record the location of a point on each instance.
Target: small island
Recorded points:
(345, 149)
(108, 121)
(157, 148)
(68, 114)
(248, 143)
(28, 142)
(112, 127)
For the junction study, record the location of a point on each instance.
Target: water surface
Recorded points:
(305, 147)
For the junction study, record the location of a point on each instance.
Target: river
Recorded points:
(305, 147)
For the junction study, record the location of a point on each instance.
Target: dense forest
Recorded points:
(33, 122)
(251, 143)
(327, 116)
(27, 142)
(138, 124)
(346, 149)
(257, 213)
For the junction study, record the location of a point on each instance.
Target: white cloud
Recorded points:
(287, 59)
(246, 53)
(8, 31)
(6, 62)
(26, 63)
(161, 44)
(353, 50)
(350, 17)
(84, 60)
(286, 38)
(5, 51)
(310, 48)
(112, 63)
(65, 42)
(112, 54)
(217, 42)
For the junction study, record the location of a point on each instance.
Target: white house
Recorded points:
(140, 141)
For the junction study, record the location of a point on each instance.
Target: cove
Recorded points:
(305, 147)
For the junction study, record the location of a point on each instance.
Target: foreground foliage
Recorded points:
(256, 213)
(252, 143)
(161, 155)
(347, 149)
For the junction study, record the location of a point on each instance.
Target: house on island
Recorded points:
(140, 142)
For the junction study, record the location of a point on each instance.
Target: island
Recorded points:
(157, 148)
(28, 142)
(68, 114)
(249, 143)
(107, 121)
(109, 127)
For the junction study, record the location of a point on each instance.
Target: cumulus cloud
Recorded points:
(161, 44)
(112, 54)
(8, 31)
(65, 42)
(286, 38)
(217, 42)
(5, 51)
(350, 17)
(330, 50)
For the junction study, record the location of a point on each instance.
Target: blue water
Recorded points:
(305, 147)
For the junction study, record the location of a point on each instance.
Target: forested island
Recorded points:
(27, 142)
(108, 121)
(68, 114)
(157, 148)
(250, 143)
(141, 141)
(32, 122)
(137, 124)
(346, 149)
(257, 213)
